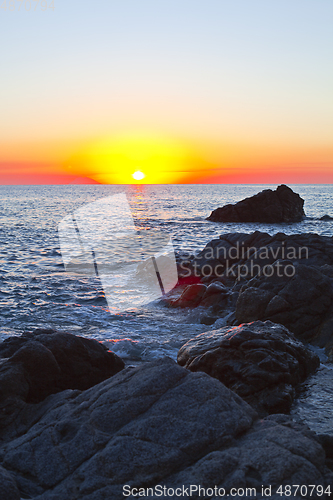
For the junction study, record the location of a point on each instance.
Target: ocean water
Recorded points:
(36, 290)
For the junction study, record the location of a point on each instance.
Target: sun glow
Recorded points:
(116, 160)
(138, 175)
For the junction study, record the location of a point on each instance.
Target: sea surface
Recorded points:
(37, 291)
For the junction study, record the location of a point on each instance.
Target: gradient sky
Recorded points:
(184, 90)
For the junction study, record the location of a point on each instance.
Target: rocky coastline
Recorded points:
(239, 278)
(77, 424)
(161, 425)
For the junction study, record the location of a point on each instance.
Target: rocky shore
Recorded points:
(77, 424)
(158, 425)
(218, 419)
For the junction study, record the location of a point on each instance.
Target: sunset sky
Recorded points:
(183, 91)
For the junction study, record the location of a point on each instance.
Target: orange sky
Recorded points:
(163, 160)
(240, 93)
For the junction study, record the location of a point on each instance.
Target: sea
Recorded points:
(37, 291)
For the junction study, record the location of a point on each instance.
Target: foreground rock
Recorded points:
(261, 362)
(157, 424)
(45, 362)
(281, 205)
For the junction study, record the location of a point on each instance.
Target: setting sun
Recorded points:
(142, 157)
(138, 175)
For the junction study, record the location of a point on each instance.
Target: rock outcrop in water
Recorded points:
(281, 205)
(45, 362)
(261, 362)
(287, 279)
(157, 424)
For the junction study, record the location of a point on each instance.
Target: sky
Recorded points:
(182, 91)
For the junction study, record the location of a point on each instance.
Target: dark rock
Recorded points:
(252, 304)
(142, 426)
(246, 466)
(191, 296)
(218, 301)
(215, 288)
(41, 363)
(287, 279)
(262, 362)
(281, 205)
(329, 348)
(239, 255)
(327, 270)
(327, 443)
(156, 424)
(303, 303)
(216, 293)
(326, 217)
(8, 486)
(40, 368)
(207, 319)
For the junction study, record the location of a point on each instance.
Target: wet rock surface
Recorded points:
(281, 205)
(155, 424)
(261, 362)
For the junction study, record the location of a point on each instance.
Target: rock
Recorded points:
(215, 297)
(207, 319)
(281, 205)
(245, 466)
(216, 293)
(215, 288)
(191, 296)
(236, 256)
(287, 279)
(217, 302)
(329, 345)
(157, 424)
(142, 426)
(261, 362)
(8, 486)
(44, 362)
(326, 217)
(303, 303)
(252, 304)
(326, 442)
(327, 270)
